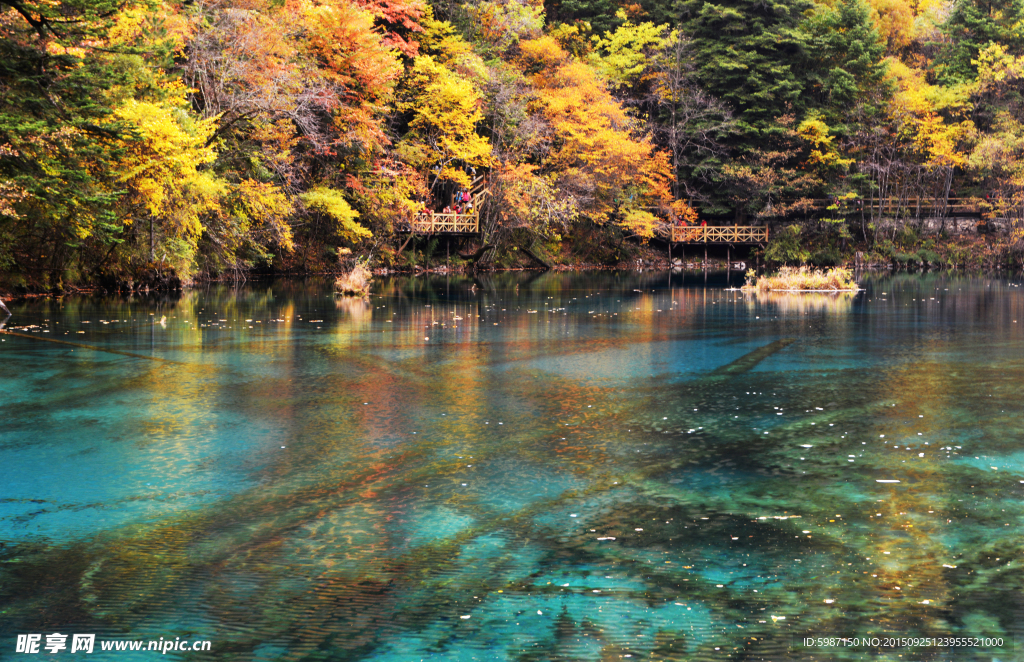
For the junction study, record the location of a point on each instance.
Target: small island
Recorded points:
(355, 282)
(802, 279)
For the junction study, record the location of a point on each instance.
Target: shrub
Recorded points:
(784, 247)
(355, 283)
(908, 236)
(827, 257)
(801, 278)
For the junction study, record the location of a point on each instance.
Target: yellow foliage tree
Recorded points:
(445, 110)
(998, 70)
(261, 211)
(161, 171)
(598, 157)
(894, 20)
(931, 118)
(442, 42)
(823, 154)
(623, 55)
(331, 203)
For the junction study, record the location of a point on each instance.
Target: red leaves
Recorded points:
(400, 15)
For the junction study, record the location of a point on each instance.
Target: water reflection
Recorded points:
(528, 467)
(797, 303)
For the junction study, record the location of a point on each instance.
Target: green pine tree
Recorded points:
(973, 25)
(59, 144)
(845, 60)
(750, 54)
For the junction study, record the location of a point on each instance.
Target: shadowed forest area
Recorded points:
(148, 143)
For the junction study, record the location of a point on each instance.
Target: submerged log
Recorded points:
(749, 361)
(84, 346)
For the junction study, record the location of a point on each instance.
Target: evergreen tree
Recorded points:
(600, 15)
(750, 54)
(846, 59)
(973, 25)
(57, 141)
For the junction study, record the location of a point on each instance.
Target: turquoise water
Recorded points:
(522, 467)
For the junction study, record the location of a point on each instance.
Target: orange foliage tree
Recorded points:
(612, 171)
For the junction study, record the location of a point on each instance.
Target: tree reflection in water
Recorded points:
(531, 468)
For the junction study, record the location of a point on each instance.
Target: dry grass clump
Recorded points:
(803, 279)
(355, 283)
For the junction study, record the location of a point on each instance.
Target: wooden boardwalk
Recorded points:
(426, 223)
(726, 234)
(910, 205)
(905, 207)
(438, 223)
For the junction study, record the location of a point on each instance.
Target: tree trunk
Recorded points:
(535, 258)
(477, 255)
(405, 243)
(945, 196)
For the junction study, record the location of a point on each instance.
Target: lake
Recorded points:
(527, 467)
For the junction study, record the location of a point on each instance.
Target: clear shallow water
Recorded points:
(553, 467)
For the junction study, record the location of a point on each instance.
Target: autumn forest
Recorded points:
(215, 137)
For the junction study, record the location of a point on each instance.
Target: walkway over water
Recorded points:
(728, 234)
(430, 222)
(444, 223)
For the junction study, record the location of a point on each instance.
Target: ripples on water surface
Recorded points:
(553, 467)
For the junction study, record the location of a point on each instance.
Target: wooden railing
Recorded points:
(909, 204)
(443, 223)
(728, 234)
(438, 223)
